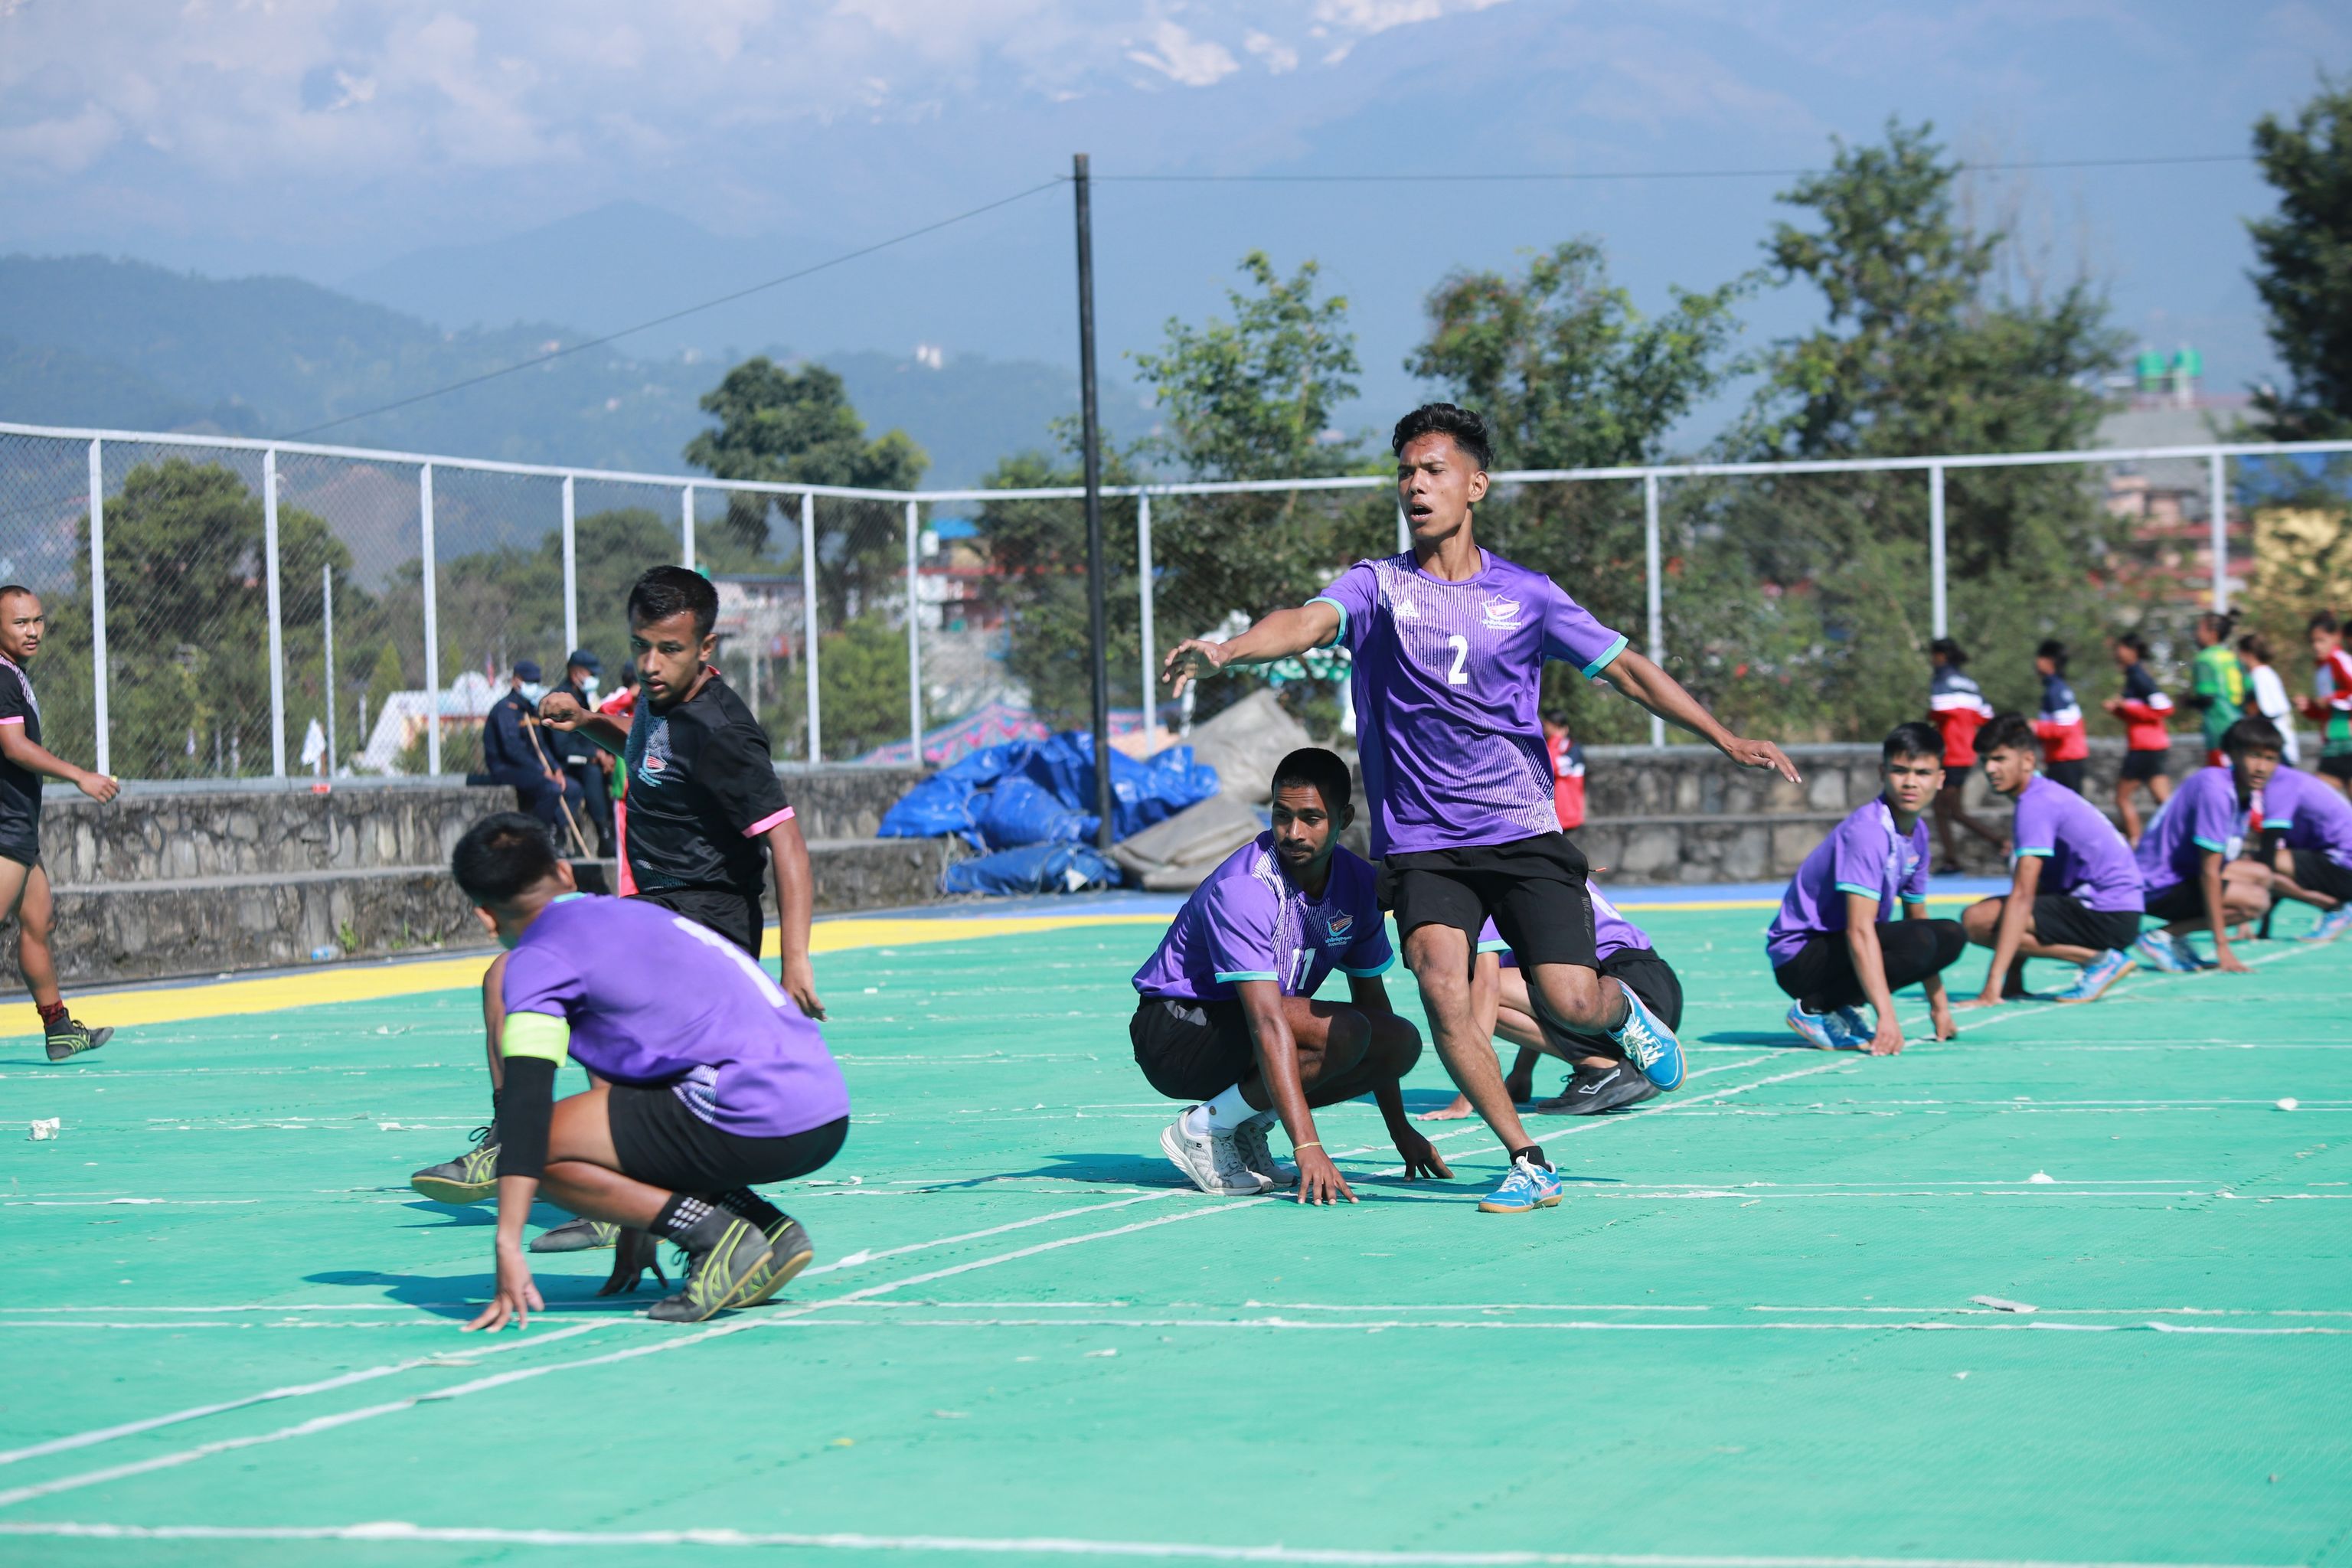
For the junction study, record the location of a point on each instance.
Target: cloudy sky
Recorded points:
(336, 139)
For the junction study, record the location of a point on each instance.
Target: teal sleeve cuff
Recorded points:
(1497, 945)
(2040, 849)
(1858, 892)
(1372, 974)
(1341, 635)
(1608, 656)
(2208, 844)
(1227, 976)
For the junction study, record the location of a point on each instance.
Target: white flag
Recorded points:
(314, 746)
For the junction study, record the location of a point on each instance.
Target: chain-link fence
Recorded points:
(273, 608)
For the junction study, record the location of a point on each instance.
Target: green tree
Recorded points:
(1037, 551)
(2304, 276)
(1570, 374)
(1918, 353)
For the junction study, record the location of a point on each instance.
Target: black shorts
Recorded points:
(2063, 921)
(1821, 974)
(1533, 890)
(1192, 1050)
(22, 844)
(2180, 901)
(2335, 767)
(664, 1144)
(2316, 872)
(735, 916)
(2068, 773)
(2144, 765)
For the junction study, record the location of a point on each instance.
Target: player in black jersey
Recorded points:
(705, 817)
(23, 763)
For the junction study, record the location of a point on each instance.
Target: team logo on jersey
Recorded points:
(657, 755)
(1402, 609)
(1502, 615)
(1337, 931)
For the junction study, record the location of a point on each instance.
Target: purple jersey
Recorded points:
(1863, 855)
(1613, 933)
(2084, 857)
(1249, 921)
(1446, 679)
(656, 1001)
(2314, 816)
(2203, 814)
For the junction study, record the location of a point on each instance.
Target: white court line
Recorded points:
(499, 1380)
(1610, 1325)
(292, 1390)
(395, 1531)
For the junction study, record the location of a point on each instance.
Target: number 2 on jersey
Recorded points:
(1458, 676)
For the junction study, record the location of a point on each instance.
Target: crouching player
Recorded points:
(709, 1080)
(1225, 1016)
(1600, 1078)
(2088, 914)
(1835, 943)
(2314, 864)
(2189, 858)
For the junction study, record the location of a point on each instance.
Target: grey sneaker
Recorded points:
(577, 1235)
(722, 1275)
(68, 1037)
(468, 1179)
(1258, 1154)
(1211, 1162)
(789, 1251)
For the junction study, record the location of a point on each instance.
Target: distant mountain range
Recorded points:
(89, 341)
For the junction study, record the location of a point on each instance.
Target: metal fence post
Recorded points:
(1653, 590)
(277, 616)
(808, 618)
(432, 623)
(2217, 502)
(1144, 596)
(686, 529)
(1937, 616)
(570, 573)
(97, 607)
(327, 648)
(914, 637)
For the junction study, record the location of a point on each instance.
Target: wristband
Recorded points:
(1302, 1148)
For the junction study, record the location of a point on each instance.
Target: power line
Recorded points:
(677, 314)
(1620, 175)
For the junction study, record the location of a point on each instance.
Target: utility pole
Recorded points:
(1098, 620)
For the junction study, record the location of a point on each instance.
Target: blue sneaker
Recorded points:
(2162, 954)
(1528, 1186)
(1649, 1044)
(2096, 976)
(1819, 1030)
(2332, 924)
(1857, 1029)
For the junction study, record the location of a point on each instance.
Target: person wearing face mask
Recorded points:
(509, 757)
(583, 761)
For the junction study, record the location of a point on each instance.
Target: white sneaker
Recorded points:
(1258, 1154)
(1211, 1162)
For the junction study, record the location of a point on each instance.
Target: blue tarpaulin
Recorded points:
(1037, 792)
(1033, 869)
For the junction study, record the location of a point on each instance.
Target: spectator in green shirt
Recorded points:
(2218, 690)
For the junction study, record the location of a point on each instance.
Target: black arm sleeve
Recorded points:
(526, 1105)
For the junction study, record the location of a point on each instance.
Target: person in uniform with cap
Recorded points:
(513, 756)
(583, 761)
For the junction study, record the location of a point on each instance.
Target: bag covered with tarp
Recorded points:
(960, 799)
(1033, 869)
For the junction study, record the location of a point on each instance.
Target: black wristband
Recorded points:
(526, 1105)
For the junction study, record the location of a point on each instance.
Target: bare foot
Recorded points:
(1457, 1112)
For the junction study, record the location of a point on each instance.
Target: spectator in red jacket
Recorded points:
(1567, 772)
(2148, 740)
(1956, 705)
(2065, 747)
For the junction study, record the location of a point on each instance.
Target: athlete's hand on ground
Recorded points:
(1421, 1157)
(1319, 1180)
(2231, 963)
(1761, 755)
(633, 1252)
(1985, 998)
(1887, 1040)
(1190, 659)
(561, 710)
(1454, 1111)
(1946, 1029)
(800, 984)
(516, 1297)
(100, 787)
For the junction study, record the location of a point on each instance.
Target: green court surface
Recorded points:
(1757, 1332)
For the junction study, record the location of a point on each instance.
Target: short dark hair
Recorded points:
(667, 591)
(2134, 642)
(2321, 621)
(1467, 430)
(8, 588)
(1321, 770)
(2221, 623)
(2256, 647)
(501, 856)
(1915, 739)
(1953, 653)
(2008, 733)
(2054, 651)
(2251, 733)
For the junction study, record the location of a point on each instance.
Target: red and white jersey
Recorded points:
(1567, 781)
(1958, 708)
(2339, 670)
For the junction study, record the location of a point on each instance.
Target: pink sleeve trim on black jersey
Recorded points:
(765, 823)
(13, 719)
